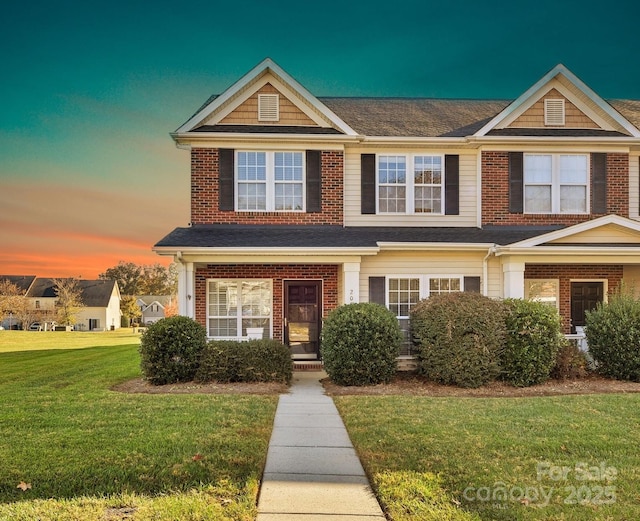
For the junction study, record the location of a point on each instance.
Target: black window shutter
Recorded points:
(472, 284)
(598, 183)
(377, 290)
(368, 184)
(516, 182)
(451, 185)
(226, 179)
(314, 183)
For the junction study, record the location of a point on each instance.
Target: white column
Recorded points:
(513, 279)
(186, 287)
(351, 279)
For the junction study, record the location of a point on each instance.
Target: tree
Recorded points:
(69, 300)
(12, 302)
(128, 275)
(134, 279)
(130, 310)
(171, 309)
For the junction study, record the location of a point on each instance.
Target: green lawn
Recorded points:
(557, 458)
(88, 453)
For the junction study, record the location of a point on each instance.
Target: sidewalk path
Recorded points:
(312, 471)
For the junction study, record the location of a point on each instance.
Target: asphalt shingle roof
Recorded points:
(325, 236)
(95, 293)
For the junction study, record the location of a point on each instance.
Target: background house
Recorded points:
(100, 298)
(153, 307)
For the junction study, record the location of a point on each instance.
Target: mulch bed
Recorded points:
(403, 384)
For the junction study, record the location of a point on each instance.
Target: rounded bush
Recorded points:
(458, 338)
(533, 339)
(170, 350)
(250, 361)
(613, 336)
(360, 344)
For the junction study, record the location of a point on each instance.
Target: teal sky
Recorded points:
(89, 92)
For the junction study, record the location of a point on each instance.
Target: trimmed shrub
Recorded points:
(360, 344)
(459, 338)
(613, 336)
(571, 363)
(170, 350)
(533, 339)
(251, 361)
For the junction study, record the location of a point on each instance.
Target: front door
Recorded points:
(585, 296)
(303, 303)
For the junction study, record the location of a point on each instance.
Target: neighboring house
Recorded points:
(153, 307)
(100, 299)
(300, 204)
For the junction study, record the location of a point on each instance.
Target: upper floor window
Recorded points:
(556, 183)
(410, 184)
(270, 181)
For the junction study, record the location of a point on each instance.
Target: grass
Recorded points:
(455, 458)
(89, 453)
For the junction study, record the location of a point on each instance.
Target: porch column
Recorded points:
(351, 277)
(513, 279)
(186, 289)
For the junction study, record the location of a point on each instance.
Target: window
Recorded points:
(410, 184)
(235, 305)
(404, 293)
(543, 290)
(556, 183)
(37, 304)
(270, 181)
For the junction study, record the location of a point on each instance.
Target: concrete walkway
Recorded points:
(312, 471)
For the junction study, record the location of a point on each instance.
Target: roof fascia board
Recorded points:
(578, 228)
(256, 251)
(435, 246)
(554, 140)
(266, 65)
(540, 84)
(203, 137)
(576, 254)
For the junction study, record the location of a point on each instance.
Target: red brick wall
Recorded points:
(328, 273)
(565, 272)
(495, 193)
(204, 194)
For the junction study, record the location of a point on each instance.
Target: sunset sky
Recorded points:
(89, 92)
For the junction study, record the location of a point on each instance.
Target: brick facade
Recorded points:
(495, 193)
(278, 273)
(565, 273)
(205, 189)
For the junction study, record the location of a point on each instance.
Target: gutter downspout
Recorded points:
(485, 270)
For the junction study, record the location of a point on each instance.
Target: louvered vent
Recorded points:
(554, 112)
(268, 107)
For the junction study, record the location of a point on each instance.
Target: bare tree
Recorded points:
(69, 300)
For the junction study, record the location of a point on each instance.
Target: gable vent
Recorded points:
(554, 112)
(268, 107)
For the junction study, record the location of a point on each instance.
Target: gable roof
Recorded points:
(23, 282)
(95, 293)
(569, 82)
(266, 67)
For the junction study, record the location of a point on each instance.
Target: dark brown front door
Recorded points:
(303, 302)
(585, 296)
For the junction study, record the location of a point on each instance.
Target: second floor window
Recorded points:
(556, 183)
(270, 181)
(410, 184)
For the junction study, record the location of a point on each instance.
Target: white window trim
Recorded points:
(271, 182)
(555, 184)
(423, 289)
(409, 184)
(239, 316)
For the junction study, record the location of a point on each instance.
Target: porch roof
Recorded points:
(328, 236)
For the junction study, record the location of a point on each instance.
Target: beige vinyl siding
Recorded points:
(453, 264)
(247, 112)
(631, 277)
(634, 186)
(468, 192)
(604, 234)
(534, 116)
